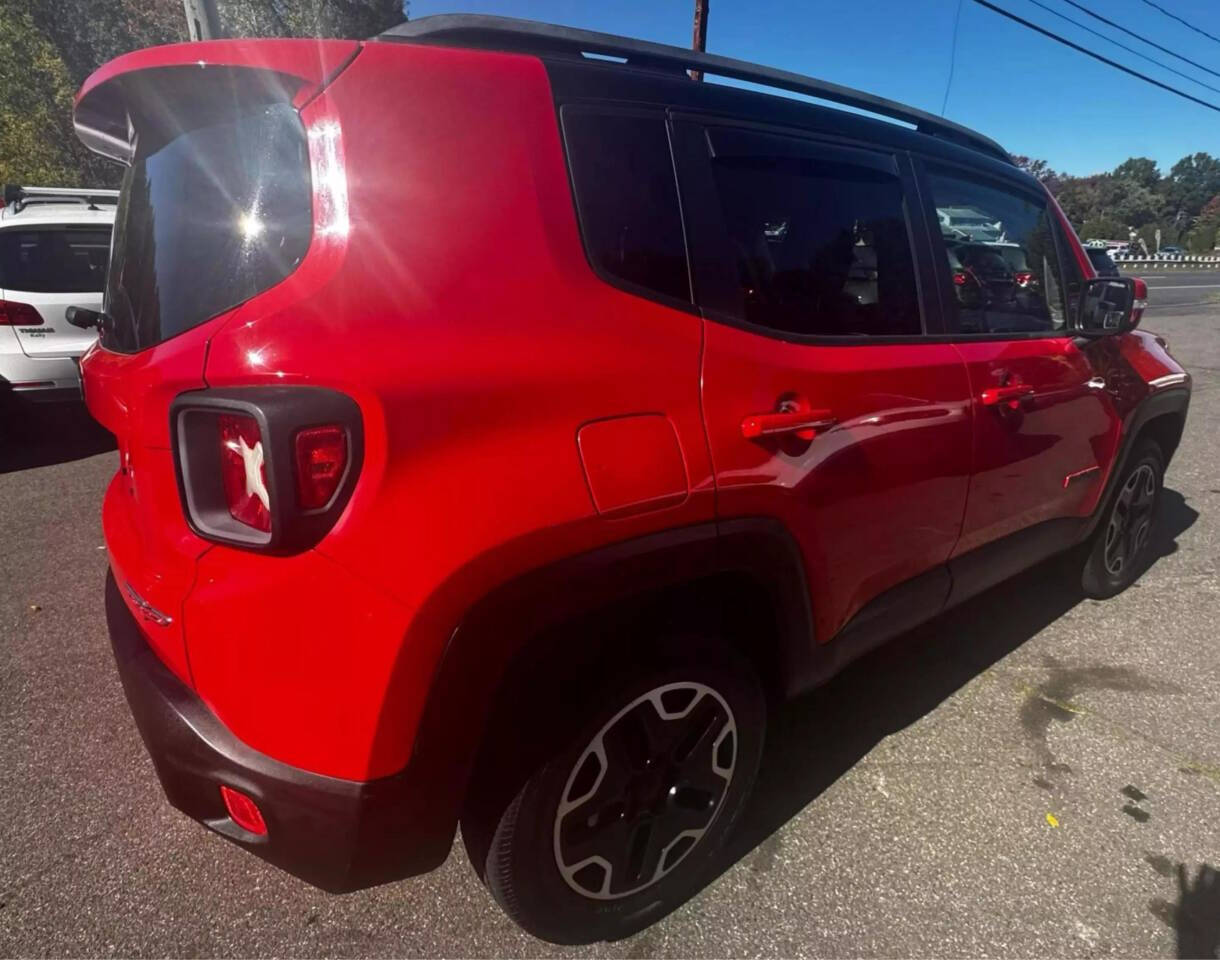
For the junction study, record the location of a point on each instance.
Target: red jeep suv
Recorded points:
(502, 428)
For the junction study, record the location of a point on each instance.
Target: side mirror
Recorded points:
(84, 318)
(1109, 305)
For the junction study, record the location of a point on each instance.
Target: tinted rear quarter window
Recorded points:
(54, 259)
(627, 199)
(1002, 250)
(819, 247)
(207, 220)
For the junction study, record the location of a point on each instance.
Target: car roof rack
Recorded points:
(529, 36)
(20, 197)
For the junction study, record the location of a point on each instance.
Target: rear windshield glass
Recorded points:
(207, 220)
(54, 259)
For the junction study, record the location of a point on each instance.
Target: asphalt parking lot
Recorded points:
(1032, 774)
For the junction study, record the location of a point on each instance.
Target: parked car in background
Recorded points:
(1101, 261)
(967, 222)
(1171, 250)
(54, 248)
(467, 476)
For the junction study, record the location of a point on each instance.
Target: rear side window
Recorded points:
(627, 199)
(820, 247)
(54, 259)
(1004, 272)
(206, 220)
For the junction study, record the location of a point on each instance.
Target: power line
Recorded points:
(1123, 46)
(1096, 56)
(1187, 23)
(952, 57)
(1132, 33)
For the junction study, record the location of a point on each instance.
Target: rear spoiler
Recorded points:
(158, 81)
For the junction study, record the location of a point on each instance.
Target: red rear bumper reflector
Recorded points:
(243, 810)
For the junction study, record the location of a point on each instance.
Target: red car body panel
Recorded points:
(149, 542)
(897, 459)
(484, 376)
(517, 410)
(1024, 451)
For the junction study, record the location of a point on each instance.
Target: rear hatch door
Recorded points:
(215, 208)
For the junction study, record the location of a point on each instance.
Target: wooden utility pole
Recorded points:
(698, 40)
(202, 19)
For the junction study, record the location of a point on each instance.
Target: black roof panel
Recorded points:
(528, 36)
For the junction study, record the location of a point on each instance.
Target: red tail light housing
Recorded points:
(321, 461)
(243, 470)
(960, 278)
(1023, 278)
(266, 468)
(13, 314)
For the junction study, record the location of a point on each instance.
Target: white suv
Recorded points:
(54, 248)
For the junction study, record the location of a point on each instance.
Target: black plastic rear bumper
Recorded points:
(339, 835)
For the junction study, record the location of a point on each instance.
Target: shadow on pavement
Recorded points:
(813, 741)
(1196, 916)
(40, 436)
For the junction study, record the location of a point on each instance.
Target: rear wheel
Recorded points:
(614, 829)
(1121, 547)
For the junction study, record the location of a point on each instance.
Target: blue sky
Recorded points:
(1032, 95)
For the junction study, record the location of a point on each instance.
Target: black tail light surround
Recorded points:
(280, 414)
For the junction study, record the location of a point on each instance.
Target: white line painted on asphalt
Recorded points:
(1188, 286)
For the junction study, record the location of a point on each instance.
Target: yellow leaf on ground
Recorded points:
(1052, 820)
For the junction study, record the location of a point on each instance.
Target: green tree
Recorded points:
(1139, 170)
(47, 49)
(1192, 181)
(357, 19)
(1040, 170)
(37, 142)
(1103, 228)
(1205, 234)
(1081, 198)
(87, 33)
(1132, 203)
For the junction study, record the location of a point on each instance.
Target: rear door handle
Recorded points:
(805, 422)
(1012, 394)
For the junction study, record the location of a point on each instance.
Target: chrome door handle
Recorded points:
(1097, 383)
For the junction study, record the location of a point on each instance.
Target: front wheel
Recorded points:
(614, 829)
(1121, 547)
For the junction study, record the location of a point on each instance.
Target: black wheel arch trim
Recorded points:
(1171, 401)
(502, 625)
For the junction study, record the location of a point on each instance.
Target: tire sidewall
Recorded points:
(1097, 580)
(521, 869)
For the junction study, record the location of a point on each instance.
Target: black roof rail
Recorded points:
(529, 36)
(20, 196)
